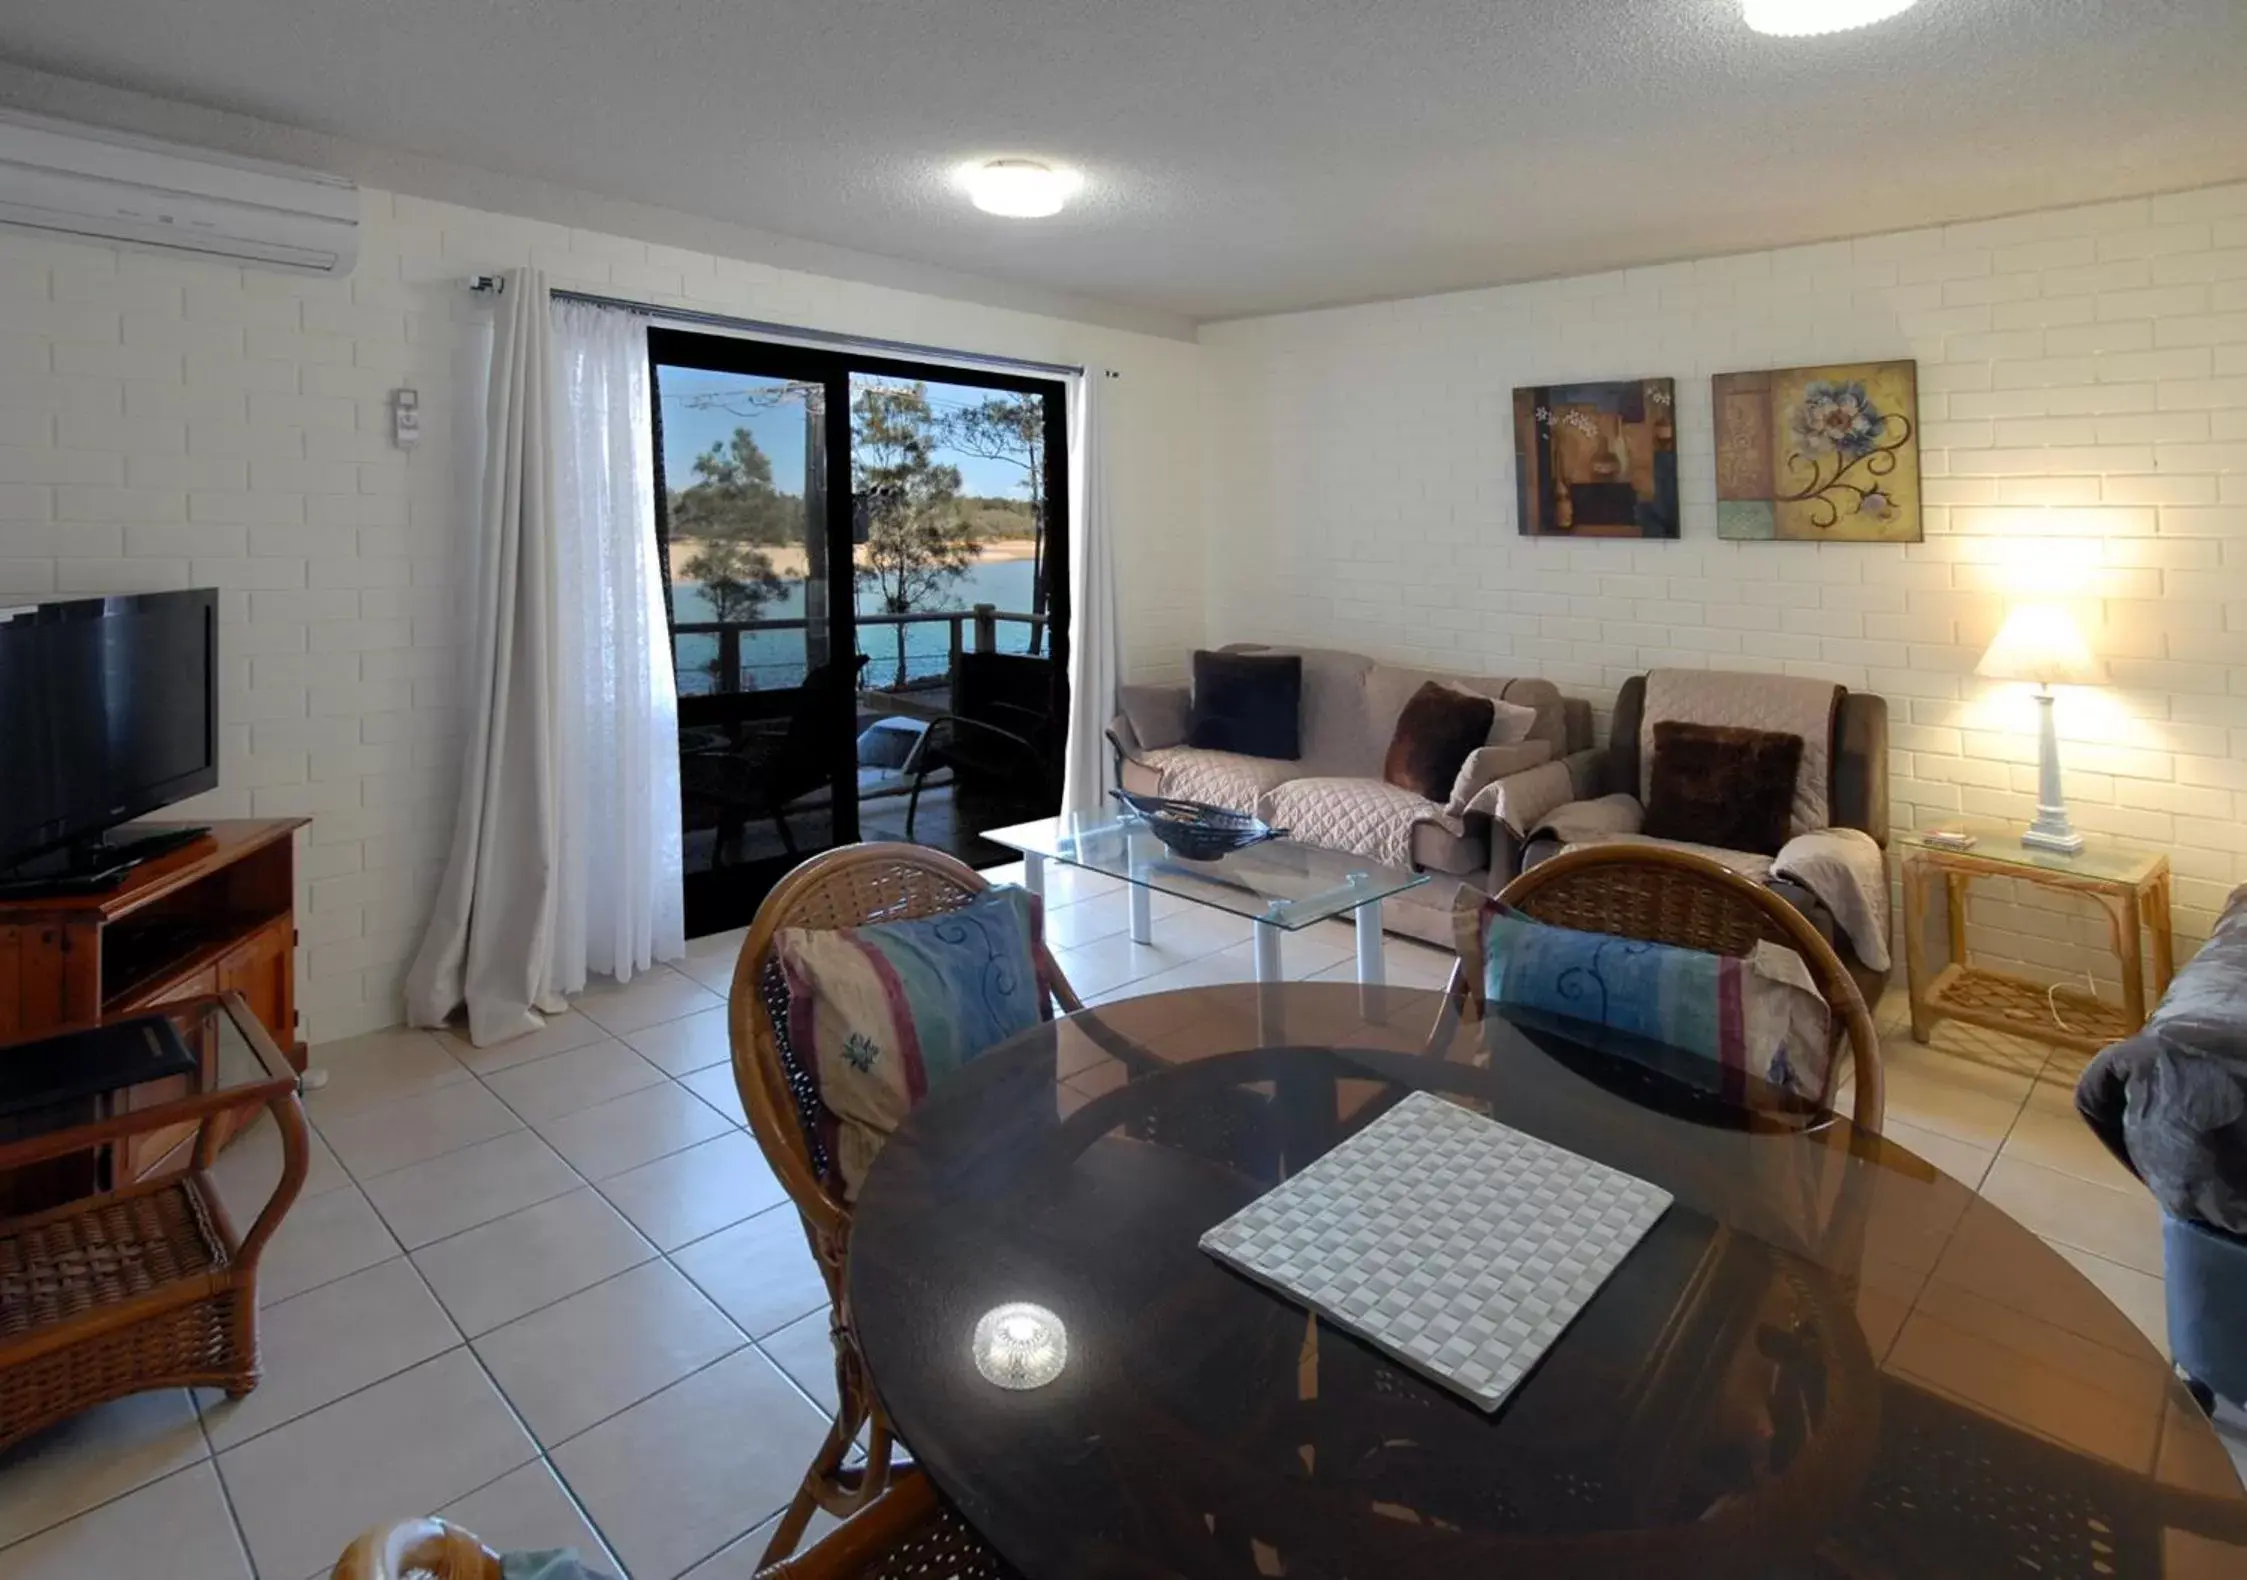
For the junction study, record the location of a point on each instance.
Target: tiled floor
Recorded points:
(551, 1291)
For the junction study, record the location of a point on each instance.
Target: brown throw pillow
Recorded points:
(1434, 734)
(1717, 785)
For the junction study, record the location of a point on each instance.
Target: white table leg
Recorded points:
(1372, 969)
(1033, 873)
(1142, 913)
(1267, 952)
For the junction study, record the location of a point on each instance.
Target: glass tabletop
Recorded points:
(1286, 884)
(2001, 843)
(1827, 1359)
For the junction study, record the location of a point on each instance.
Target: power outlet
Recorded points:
(405, 418)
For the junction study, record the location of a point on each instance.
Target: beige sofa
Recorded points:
(1334, 794)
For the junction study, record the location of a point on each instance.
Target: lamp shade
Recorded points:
(2040, 642)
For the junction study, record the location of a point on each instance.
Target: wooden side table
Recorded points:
(2131, 888)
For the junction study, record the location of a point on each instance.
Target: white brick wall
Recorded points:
(167, 423)
(2083, 386)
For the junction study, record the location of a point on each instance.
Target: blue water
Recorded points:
(773, 660)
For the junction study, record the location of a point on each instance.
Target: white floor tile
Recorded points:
(692, 1042)
(681, 1198)
(2139, 1296)
(633, 1129)
(805, 1350)
(380, 1067)
(174, 1529)
(647, 1000)
(419, 1441)
(246, 1172)
(529, 1510)
(319, 1242)
(649, 1327)
(2052, 1135)
(676, 1477)
(474, 1185)
(96, 1455)
(331, 1341)
(2122, 1226)
(1961, 1160)
(390, 1136)
(717, 1087)
(760, 1271)
(560, 1034)
(582, 1078)
(501, 1270)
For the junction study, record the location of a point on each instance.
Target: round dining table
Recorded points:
(1826, 1358)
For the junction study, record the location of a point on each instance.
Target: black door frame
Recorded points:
(832, 370)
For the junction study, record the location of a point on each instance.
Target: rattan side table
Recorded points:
(2131, 888)
(147, 1283)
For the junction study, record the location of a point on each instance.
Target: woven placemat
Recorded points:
(1458, 1245)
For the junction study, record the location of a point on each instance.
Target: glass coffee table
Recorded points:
(1280, 886)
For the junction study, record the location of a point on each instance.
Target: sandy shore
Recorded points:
(791, 561)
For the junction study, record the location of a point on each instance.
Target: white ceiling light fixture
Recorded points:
(1809, 18)
(1018, 188)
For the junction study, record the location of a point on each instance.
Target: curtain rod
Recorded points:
(757, 326)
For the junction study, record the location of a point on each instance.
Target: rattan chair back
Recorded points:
(853, 886)
(1679, 897)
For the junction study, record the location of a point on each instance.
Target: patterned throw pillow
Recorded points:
(1761, 1016)
(879, 1015)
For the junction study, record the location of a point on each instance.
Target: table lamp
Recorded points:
(2040, 642)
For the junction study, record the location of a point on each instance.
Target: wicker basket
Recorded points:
(1195, 830)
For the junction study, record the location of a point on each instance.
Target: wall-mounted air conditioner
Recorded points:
(113, 186)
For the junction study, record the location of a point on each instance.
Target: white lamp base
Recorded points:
(2051, 830)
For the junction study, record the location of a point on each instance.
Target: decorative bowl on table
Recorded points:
(1196, 830)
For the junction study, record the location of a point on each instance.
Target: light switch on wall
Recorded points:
(405, 418)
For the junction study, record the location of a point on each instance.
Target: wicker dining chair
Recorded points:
(849, 887)
(1678, 897)
(905, 1533)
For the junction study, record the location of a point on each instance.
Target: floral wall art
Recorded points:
(1819, 455)
(1597, 460)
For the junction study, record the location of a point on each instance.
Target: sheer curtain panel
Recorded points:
(1096, 634)
(566, 848)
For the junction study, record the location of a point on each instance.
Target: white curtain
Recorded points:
(1096, 633)
(619, 907)
(490, 937)
(565, 853)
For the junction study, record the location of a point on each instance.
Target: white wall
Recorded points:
(2083, 391)
(168, 423)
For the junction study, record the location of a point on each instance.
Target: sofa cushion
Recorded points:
(1439, 727)
(1367, 817)
(1248, 703)
(1225, 779)
(1720, 785)
(1159, 716)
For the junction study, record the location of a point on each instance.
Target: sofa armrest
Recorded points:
(1587, 772)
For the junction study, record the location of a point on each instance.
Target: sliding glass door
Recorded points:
(866, 567)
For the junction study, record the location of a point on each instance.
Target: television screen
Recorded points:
(108, 711)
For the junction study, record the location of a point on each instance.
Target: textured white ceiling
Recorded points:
(1242, 156)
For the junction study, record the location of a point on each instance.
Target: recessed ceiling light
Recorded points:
(1019, 188)
(1807, 18)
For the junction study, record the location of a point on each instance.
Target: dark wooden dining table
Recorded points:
(1826, 1359)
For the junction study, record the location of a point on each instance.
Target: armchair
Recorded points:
(1856, 797)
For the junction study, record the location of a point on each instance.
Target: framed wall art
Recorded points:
(1819, 455)
(1597, 460)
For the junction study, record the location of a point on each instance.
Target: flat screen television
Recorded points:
(108, 711)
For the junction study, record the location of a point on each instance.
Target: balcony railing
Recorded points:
(970, 630)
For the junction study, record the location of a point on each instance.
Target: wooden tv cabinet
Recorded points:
(214, 916)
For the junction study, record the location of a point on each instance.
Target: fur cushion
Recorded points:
(1439, 726)
(1714, 784)
(1248, 703)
